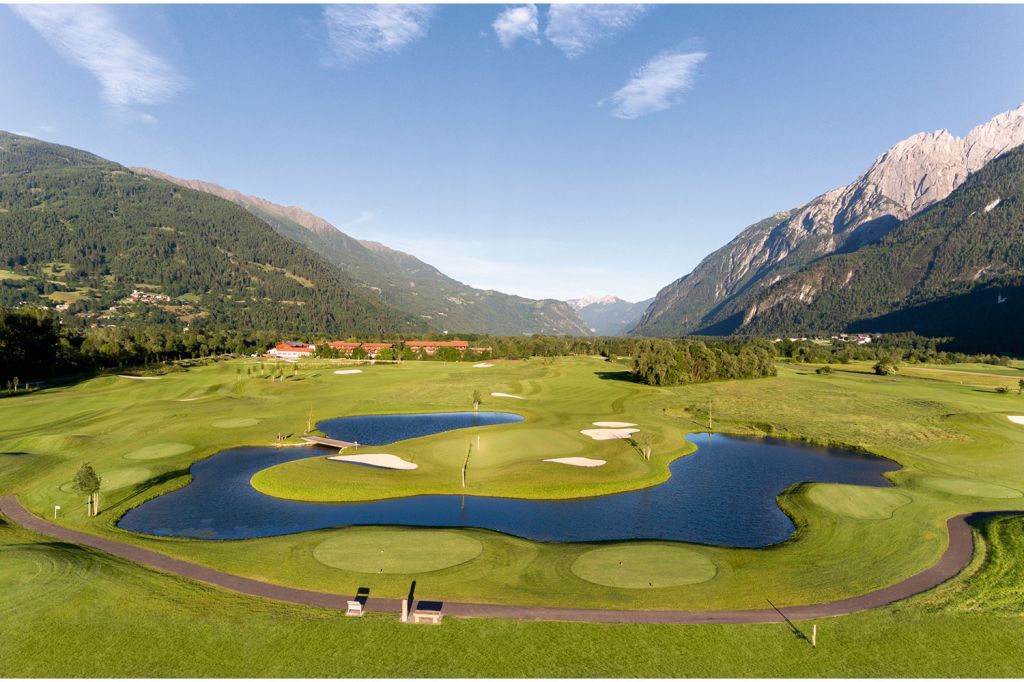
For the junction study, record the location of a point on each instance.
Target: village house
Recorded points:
(292, 350)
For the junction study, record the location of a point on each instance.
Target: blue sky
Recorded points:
(548, 153)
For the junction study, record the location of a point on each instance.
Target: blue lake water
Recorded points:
(723, 494)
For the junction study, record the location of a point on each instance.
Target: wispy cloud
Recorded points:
(574, 29)
(129, 73)
(358, 33)
(657, 85)
(517, 23)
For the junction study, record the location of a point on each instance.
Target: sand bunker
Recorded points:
(129, 376)
(614, 425)
(377, 460)
(608, 434)
(578, 461)
(483, 364)
(1016, 419)
(507, 395)
(348, 371)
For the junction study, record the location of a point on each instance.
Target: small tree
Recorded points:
(477, 399)
(1002, 389)
(885, 368)
(824, 370)
(1020, 386)
(88, 482)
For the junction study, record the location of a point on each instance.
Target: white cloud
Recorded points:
(515, 23)
(129, 74)
(575, 28)
(657, 85)
(359, 33)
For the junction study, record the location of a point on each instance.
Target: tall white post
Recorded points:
(405, 609)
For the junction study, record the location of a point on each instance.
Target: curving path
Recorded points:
(957, 556)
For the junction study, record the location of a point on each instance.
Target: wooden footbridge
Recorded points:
(330, 442)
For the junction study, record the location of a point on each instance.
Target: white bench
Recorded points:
(354, 609)
(423, 616)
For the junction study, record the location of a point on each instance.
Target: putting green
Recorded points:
(638, 566)
(235, 423)
(965, 486)
(857, 502)
(119, 478)
(160, 450)
(397, 550)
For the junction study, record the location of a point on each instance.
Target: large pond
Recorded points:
(723, 494)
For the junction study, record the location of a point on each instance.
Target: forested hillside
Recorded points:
(401, 280)
(83, 233)
(955, 270)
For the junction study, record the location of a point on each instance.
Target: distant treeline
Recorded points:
(660, 362)
(36, 344)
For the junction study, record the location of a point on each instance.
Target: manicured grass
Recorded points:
(857, 502)
(72, 612)
(644, 566)
(398, 550)
(935, 427)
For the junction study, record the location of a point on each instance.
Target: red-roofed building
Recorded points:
(292, 350)
(373, 349)
(430, 347)
(345, 347)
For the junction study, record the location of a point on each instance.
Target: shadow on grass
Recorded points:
(142, 487)
(620, 375)
(797, 632)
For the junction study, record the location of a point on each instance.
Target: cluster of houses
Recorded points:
(294, 350)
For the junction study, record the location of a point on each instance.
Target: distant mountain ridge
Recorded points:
(402, 280)
(910, 177)
(609, 315)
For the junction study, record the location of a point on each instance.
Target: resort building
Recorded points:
(292, 350)
(431, 347)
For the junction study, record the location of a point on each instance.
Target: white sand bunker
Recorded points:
(348, 371)
(578, 461)
(1016, 419)
(129, 376)
(483, 364)
(614, 425)
(608, 434)
(507, 395)
(377, 460)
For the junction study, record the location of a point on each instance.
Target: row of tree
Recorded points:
(661, 362)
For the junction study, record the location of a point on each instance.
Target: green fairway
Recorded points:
(397, 550)
(857, 502)
(71, 612)
(954, 442)
(647, 565)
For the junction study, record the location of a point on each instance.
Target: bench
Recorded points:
(425, 616)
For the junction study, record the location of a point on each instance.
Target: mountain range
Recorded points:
(609, 315)
(743, 286)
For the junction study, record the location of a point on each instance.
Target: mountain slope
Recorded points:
(609, 315)
(78, 229)
(402, 280)
(911, 176)
(956, 269)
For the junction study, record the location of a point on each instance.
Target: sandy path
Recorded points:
(378, 460)
(957, 555)
(578, 461)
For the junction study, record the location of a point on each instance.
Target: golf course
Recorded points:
(945, 430)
